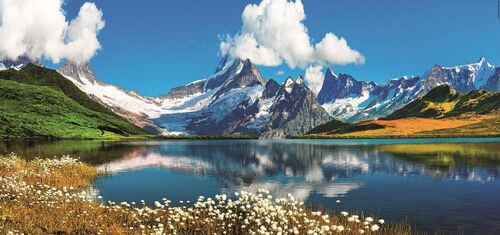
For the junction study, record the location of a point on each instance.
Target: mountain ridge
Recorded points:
(351, 100)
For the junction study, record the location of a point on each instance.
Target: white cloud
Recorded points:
(39, 29)
(273, 32)
(314, 77)
(280, 72)
(334, 50)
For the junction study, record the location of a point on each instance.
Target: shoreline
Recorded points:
(216, 137)
(394, 137)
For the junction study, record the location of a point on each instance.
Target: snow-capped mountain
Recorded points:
(350, 100)
(235, 99)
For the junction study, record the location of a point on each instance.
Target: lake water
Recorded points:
(449, 185)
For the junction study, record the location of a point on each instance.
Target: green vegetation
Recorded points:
(337, 127)
(329, 126)
(40, 103)
(444, 101)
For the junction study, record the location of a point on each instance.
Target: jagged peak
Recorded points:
(248, 66)
(436, 67)
(300, 80)
(77, 71)
(482, 63)
(482, 60)
(330, 74)
(225, 59)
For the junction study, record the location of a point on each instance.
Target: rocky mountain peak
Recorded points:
(270, 89)
(330, 74)
(81, 72)
(222, 63)
(300, 80)
(288, 82)
(436, 67)
(250, 69)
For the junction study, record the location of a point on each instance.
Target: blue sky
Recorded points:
(152, 46)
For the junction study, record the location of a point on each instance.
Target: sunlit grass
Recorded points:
(412, 127)
(54, 197)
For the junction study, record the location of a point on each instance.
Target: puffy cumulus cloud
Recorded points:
(314, 77)
(273, 32)
(334, 50)
(280, 72)
(248, 47)
(39, 29)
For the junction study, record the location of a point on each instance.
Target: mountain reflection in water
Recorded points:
(282, 167)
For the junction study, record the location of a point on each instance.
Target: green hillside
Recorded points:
(39, 102)
(444, 101)
(328, 126)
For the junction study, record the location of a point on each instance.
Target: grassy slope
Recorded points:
(444, 101)
(38, 102)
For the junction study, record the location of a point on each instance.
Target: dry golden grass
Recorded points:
(412, 127)
(49, 197)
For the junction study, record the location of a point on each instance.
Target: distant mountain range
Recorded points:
(237, 99)
(350, 100)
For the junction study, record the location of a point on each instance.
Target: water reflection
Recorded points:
(302, 169)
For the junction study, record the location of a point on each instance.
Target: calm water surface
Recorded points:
(447, 184)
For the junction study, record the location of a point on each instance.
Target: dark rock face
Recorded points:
(271, 89)
(493, 83)
(341, 86)
(236, 121)
(183, 91)
(295, 110)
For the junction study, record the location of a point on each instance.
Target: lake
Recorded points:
(450, 185)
